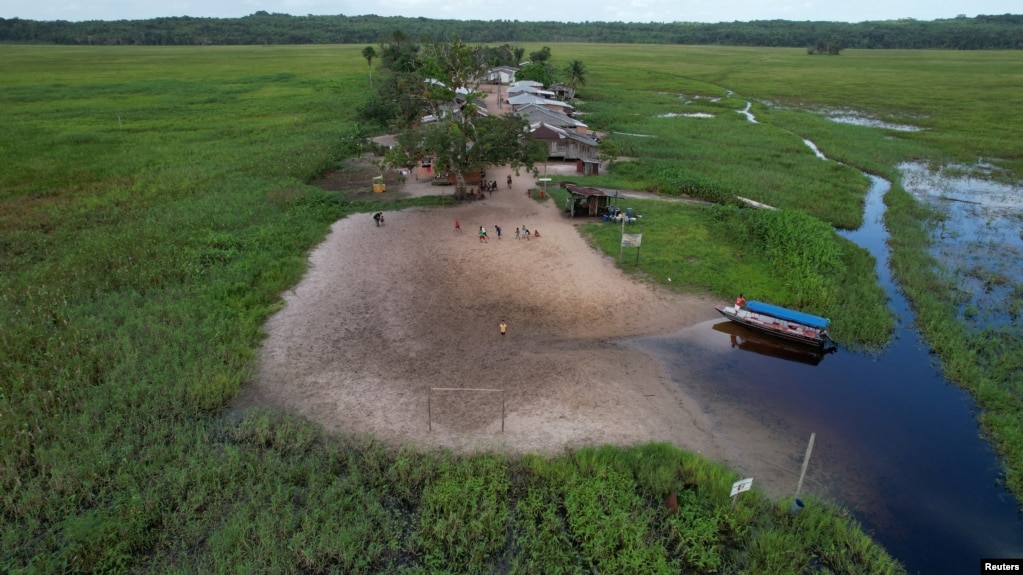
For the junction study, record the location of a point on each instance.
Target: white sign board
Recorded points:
(632, 240)
(741, 485)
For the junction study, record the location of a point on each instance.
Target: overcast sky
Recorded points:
(523, 10)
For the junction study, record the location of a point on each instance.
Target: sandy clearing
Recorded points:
(387, 313)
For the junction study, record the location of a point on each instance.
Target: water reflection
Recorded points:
(859, 119)
(746, 339)
(749, 115)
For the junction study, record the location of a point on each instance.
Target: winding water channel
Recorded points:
(896, 443)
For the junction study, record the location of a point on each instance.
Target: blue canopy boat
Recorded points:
(779, 321)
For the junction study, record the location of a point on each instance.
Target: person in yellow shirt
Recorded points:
(504, 327)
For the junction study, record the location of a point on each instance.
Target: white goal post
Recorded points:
(429, 401)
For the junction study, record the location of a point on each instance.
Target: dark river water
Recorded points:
(896, 443)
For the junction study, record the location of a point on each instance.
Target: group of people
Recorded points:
(522, 232)
(486, 186)
(379, 218)
(525, 233)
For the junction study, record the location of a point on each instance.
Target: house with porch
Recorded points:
(569, 145)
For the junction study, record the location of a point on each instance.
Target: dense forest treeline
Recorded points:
(961, 33)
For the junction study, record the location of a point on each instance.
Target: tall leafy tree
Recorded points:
(537, 72)
(369, 53)
(399, 101)
(458, 138)
(519, 53)
(541, 55)
(501, 56)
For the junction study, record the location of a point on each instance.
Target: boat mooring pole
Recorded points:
(621, 248)
(806, 461)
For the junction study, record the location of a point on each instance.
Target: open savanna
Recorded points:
(965, 104)
(155, 203)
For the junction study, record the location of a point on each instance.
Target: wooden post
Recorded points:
(806, 461)
(621, 248)
(637, 247)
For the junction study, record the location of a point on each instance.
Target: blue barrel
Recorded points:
(797, 506)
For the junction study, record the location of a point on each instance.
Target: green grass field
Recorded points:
(155, 202)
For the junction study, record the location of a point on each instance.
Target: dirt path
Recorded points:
(387, 313)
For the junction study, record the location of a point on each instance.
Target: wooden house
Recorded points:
(569, 145)
(501, 75)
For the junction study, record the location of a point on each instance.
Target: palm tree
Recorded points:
(576, 73)
(369, 53)
(519, 52)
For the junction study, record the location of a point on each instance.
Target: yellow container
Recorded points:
(379, 185)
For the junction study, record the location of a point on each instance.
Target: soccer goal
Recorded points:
(473, 403)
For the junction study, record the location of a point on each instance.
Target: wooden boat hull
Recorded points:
(786, 329)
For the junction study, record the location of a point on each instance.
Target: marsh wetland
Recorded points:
(155, 202)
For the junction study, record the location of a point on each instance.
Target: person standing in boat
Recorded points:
(739, 302)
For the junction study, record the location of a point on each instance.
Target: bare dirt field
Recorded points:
(385, 314)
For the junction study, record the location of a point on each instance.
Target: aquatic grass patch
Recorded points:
(612, 529)
(726, 156)
(800, 247)
(819, 538)
(463, 515)
(542, 535)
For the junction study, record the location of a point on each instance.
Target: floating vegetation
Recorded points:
(976, 234)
